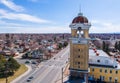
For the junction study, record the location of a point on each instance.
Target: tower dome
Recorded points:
(80, 23)
(80, 19)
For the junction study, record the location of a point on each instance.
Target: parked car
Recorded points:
(27, 62)
(33, 62)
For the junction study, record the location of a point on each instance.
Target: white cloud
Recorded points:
(8, 24)
(104, 27)
(2, 12)
(51, 29)
(21, 17)
(12, 5)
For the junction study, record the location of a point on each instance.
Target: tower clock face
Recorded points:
(79, 28)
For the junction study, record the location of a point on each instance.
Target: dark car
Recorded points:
(27, 62)
(28, 80)
(33, 62)
(31, 77)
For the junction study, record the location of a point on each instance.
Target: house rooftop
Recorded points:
(98, 58)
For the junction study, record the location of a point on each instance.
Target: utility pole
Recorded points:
(62, 74)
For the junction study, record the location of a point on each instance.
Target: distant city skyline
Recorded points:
(55, 16)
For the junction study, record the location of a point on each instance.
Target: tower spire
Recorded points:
(80, 12)
(80, 8)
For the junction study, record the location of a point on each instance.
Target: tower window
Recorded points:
(78, 62)
(100, 70)
(116, 72)
(105, 71)
(78, 41)
(78, 49)
(92, 69)
(110, 71)
(110, 79)
(116, 80)
(78, 56)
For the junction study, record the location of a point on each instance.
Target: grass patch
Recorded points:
(20, 71)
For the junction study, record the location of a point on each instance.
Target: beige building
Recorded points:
(86, 61)
(103, 67)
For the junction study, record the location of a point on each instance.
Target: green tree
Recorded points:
(65, 44)
(7, 67)
(2, 65)
(55, 39)
(116, 45)
(60, 45)
(107, 48)
(103, 46)
(2, 58)
(119, 46)
(13, 64)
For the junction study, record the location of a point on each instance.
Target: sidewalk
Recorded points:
(65, 75)
(29, 69)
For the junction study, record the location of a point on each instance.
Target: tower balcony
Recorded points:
(78, 40)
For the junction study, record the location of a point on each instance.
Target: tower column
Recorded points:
(74, 32)
(86, 33)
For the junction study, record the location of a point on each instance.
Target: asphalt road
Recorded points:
(49, 71)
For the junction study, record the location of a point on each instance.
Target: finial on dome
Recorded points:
(80, 13)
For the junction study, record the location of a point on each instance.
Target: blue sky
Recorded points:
(54, 16)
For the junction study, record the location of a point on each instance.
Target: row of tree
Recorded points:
(117, 45)
(105, 47)
(8, 67)
(62, 45)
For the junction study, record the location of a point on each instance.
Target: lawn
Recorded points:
(20, 71)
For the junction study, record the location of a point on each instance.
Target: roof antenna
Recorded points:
(80, 13)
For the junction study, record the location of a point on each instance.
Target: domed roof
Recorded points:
(80, 19)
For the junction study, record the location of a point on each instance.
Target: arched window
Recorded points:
(110, 79)
(116, 80)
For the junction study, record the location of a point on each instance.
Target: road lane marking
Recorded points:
(42, 75)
